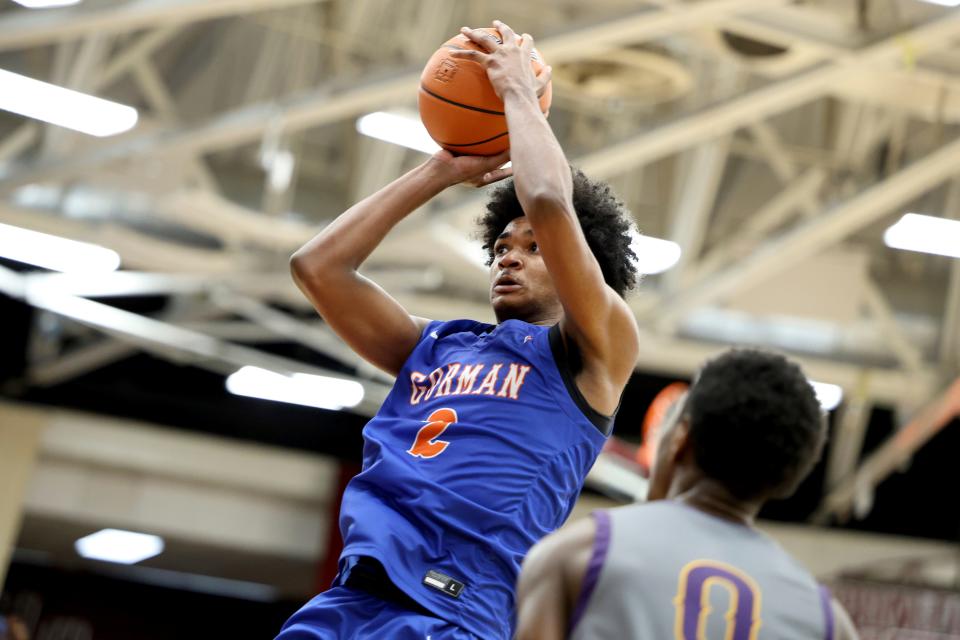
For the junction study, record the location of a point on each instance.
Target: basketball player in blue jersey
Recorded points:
(482, 446)
(690, 565)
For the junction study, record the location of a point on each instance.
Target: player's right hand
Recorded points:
(478, 171)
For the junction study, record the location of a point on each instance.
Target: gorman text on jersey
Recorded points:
(503, 380)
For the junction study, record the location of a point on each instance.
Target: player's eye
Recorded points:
(534, 248)
(500, 250)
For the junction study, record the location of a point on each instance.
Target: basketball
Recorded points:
(458, 105)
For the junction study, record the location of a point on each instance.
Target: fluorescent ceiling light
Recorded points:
(739, 327)
(829, 395)
(63, 107)
(915, 232)
(654, 255)
(115, 545)
(46, 4)
(403, 129)
(54, 252)
(280, 171)
(944, 3)
(300, 388)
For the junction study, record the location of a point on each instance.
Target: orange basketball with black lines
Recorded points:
(458, 105)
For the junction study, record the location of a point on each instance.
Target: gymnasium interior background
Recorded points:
(774, 142)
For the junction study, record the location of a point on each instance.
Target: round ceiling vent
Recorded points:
(750, 47)
(626, 76)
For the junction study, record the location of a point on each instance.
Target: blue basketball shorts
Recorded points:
(344, 613)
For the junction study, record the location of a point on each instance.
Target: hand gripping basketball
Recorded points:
(504, 56)
(462, 85)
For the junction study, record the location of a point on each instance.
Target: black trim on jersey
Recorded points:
(570, 363)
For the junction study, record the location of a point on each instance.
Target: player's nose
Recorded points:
(510, 260)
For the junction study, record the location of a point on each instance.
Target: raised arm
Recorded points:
(368, 319)
(595, 317)
(550, 582)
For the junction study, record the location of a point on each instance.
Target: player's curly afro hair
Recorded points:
(755, 423)
(602, 217)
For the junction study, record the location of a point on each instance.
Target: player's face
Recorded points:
(520, 285)
(664, 462)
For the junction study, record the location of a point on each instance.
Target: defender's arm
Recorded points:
(550, 582)
(843, 627)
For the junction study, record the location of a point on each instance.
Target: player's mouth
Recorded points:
(506, 284)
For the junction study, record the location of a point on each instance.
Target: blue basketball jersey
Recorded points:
(479, 451)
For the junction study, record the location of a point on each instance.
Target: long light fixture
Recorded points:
(404, 129)
(944, 3)
(927, 234)
(64, 107)
(116, 545)
(54, 252)
(46, 4)
(654, 255)
(300, 388)
(828, 395)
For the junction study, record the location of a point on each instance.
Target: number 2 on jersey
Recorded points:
(426, 444)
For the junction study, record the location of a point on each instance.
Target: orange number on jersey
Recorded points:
(426, 445)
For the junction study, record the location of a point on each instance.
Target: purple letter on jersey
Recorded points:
(693, 601)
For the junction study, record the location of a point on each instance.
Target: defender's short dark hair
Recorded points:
(602, 217)
(755, 423)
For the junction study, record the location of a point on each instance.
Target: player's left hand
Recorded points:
(476, 171)
(507, 63)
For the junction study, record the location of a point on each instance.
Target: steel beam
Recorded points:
(275, 286)
(22, 29)
(129, 57)
(908, 355)
(327, 104)
(896, 451)
(320, 107)
(950, 333)
(164, 106)
(782, 163)
(765, 220)
(282, 325)
(19, 141)
(763, 103)
(78, 362)
(233, 223)
(137, 250)
(847, 440)
(814, 235)
(58, 368)
(695, 202)
(950, 339)
(179, 344)
(121, 63)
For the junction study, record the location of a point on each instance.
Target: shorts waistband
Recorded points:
(367, 574)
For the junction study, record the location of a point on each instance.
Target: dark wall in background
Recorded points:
(55, 601)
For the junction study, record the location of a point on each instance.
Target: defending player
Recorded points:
(482, 446)
(690, 565)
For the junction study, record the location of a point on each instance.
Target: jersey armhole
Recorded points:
(601, 545)
(428, 328)
(563, 360)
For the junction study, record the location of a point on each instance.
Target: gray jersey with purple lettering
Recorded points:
(664, 571)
